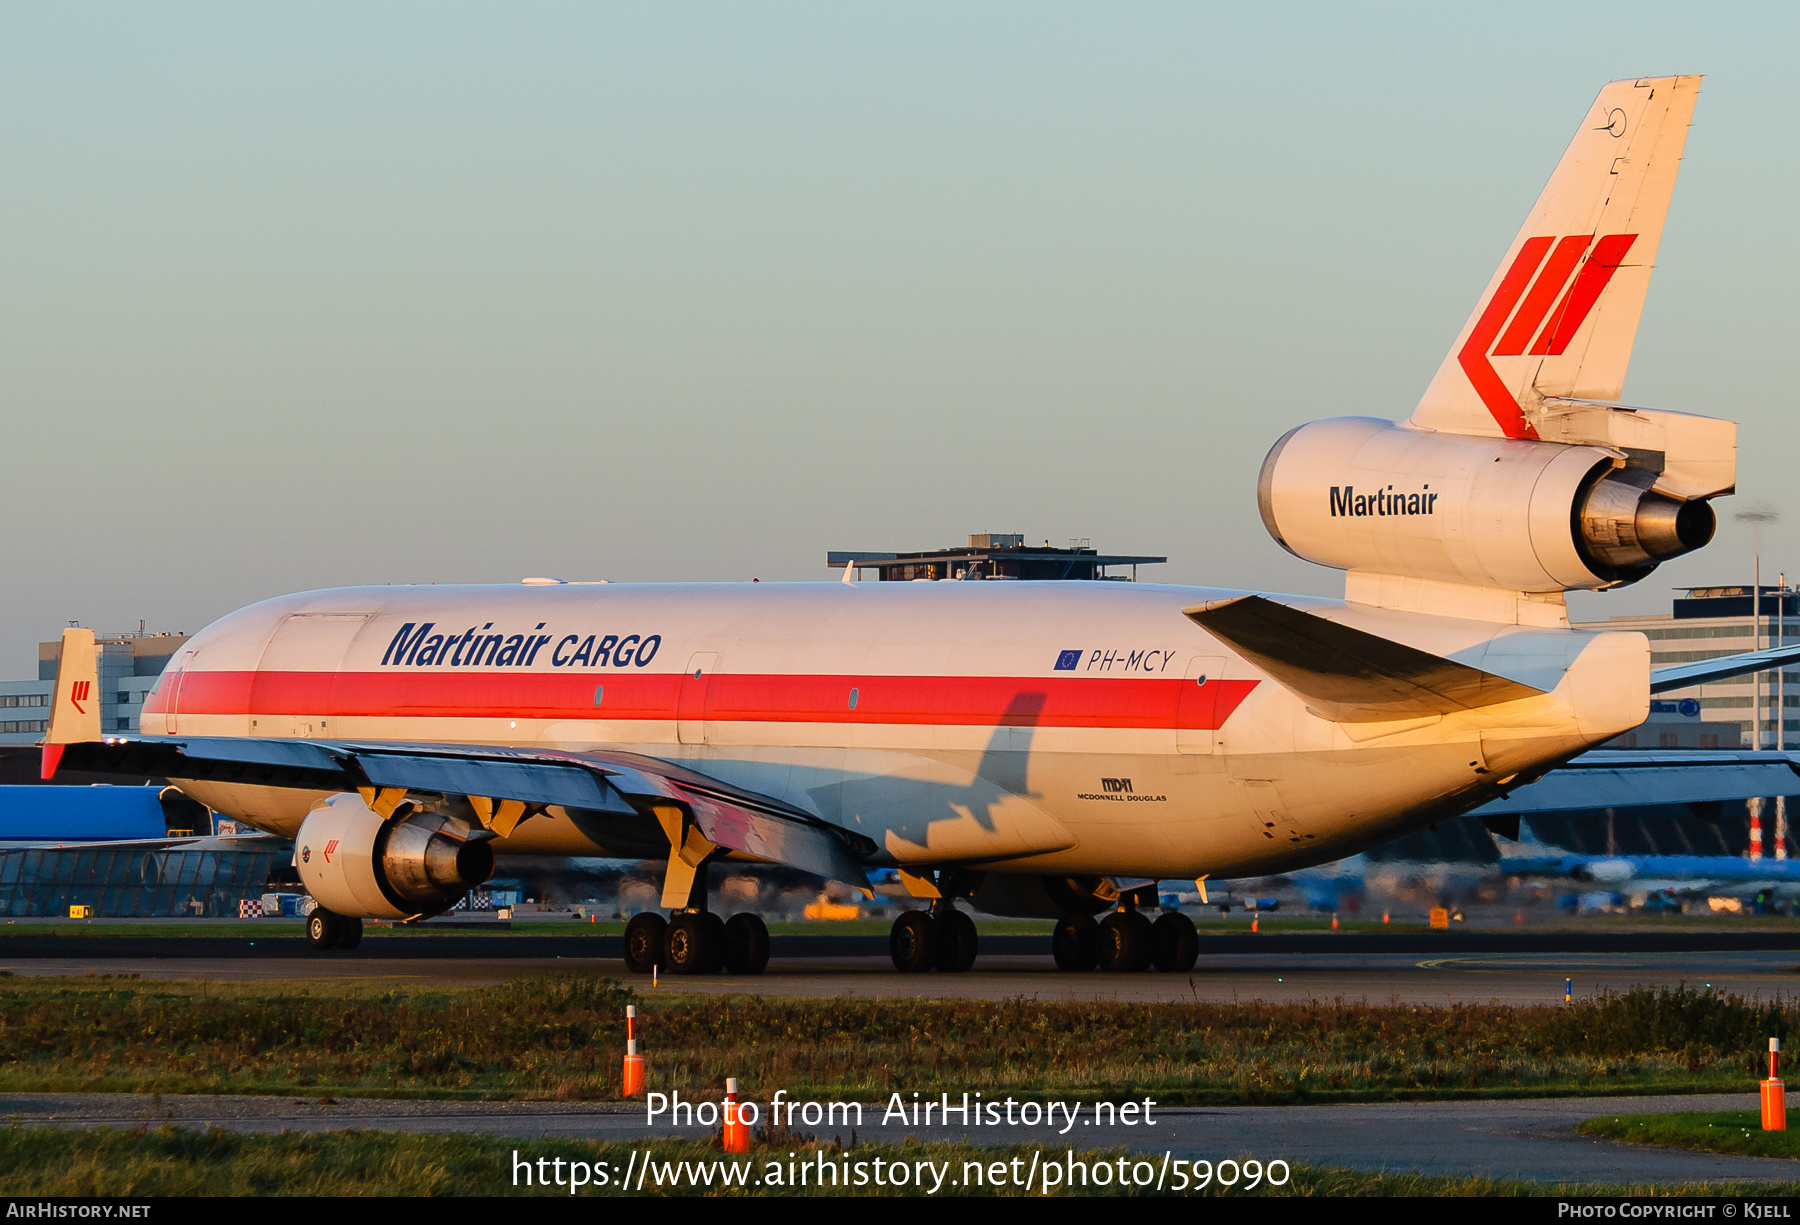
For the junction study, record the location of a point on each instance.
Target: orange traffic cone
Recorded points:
(1333, 922)
(1252, 922)
(736, 1138)
(632, 1080)
(1774, 1094)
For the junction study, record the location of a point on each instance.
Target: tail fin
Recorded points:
(75, 707)
(1560, 315)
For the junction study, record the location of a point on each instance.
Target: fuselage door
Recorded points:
(1195, 716)
(690, 704)
(171, 679)
(292, 692)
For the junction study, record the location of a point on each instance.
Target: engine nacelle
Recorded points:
(417, 862)
(1359, 493)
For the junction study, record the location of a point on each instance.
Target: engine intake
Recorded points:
(417, 862)
(1364, 494)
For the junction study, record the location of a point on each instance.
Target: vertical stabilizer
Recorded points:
(75, 707)
(1561, 313)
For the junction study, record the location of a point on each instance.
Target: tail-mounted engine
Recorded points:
(1364, 494)
(416, 862)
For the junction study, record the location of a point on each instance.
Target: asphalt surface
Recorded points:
(1532, 1140)
(461, 947)
(1270, 973)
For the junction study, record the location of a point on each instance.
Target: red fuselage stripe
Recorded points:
(1099, 702)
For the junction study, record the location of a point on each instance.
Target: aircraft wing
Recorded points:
(1681, 676)
(503, 785)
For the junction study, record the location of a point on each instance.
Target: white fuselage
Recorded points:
(1031, 727)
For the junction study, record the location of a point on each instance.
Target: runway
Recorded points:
(1531, 1140)
(1271, 973)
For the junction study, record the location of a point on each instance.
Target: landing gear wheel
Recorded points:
(1124, 942)
(1174, 944)
(746, 944)
(955, 941)
(351, 935)
(1076, 942)
(689, 947)
(644, 942)
(324, 929)
(716, 947)
(910, 943)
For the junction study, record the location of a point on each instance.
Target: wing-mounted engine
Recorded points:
(417, 862)
(1523, 515)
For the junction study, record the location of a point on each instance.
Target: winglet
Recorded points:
(75, 708)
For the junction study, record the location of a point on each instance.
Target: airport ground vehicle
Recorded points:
(1042, 749)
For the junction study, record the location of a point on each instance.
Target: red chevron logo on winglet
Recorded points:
(1543, 266)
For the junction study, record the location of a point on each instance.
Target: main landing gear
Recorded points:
(696, 942)
(1125, 940)
(942, 938)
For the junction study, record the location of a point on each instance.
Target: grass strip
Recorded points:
(174, 1161)
(1719, 1131)
(561, 1037)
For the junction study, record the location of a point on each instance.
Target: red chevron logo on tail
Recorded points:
(1538, 274)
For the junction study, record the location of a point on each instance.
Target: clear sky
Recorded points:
(301, 295)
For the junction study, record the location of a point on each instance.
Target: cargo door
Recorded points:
(1196, 716)
(690, 704)
(291, 694)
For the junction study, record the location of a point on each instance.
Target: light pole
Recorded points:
(1756, 517)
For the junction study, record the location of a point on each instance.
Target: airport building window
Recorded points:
(123, 698)
(24, 699)
(1687, 657)
(122, 724)
(1700, 631)
(25, 725)
(1723, 703)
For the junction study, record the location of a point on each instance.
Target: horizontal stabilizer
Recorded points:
(1345, 674)
(1682, 676)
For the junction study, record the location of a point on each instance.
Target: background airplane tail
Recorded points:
(75, 706)
(1559, 316)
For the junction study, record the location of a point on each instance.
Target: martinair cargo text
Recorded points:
(1042, 749)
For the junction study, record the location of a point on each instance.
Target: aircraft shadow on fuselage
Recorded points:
(876, 804)
(910, 807)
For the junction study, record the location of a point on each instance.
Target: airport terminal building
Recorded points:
(1707, 623)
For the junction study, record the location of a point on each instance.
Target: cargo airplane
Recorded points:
(1036, 749)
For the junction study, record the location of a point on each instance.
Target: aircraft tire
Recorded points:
(644, 942)
(911, 942)
(746, 944)
(324, 928)
(716, 946)
(955, 940)
(1076, 942)
(351, 935)
(1124, 942)
(688, 945)
(1174, 944)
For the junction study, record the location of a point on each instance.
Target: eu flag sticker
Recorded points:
(1067, 660)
